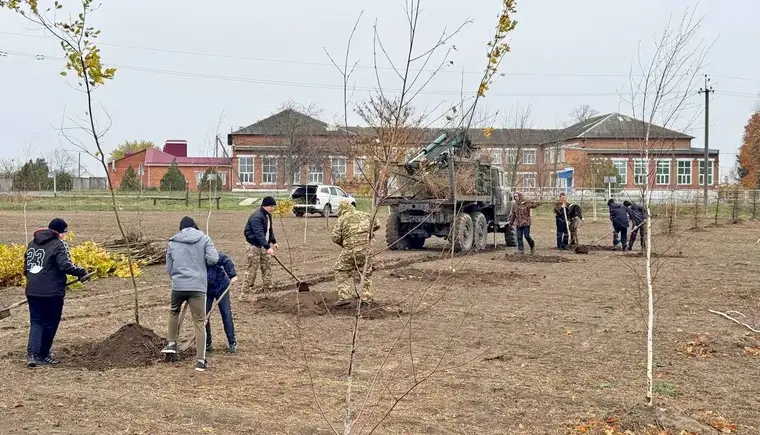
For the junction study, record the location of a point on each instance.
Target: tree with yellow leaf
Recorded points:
(749, 153)
(83, 61)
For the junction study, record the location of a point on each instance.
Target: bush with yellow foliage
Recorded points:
(88, 255)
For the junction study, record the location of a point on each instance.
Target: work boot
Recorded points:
(232, 348)
(170, 348)
(201, 365)
(532, 250)
(366, 304)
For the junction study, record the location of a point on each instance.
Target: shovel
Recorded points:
(6, 312)
(301, 286)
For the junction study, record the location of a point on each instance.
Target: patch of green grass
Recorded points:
(665, 389)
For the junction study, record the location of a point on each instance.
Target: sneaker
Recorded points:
(49, 361)
(170, 348)
(32, 361)
(200, 365)
(232, 348)
(532, 250)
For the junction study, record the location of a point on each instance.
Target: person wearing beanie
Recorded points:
(261, 245)
(520, 220)
(188, 255)
(561, 219)
(46, 264)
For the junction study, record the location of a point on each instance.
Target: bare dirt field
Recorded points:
(487, 343)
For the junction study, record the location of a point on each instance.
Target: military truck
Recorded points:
(446, 191)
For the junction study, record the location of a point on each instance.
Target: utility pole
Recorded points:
(707, 90)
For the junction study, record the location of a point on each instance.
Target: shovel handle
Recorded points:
(286, 269)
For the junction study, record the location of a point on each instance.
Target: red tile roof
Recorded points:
(156, 157)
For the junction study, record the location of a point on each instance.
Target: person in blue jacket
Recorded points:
(619, 218)
(221, 276)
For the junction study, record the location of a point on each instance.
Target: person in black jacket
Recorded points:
(638, 215)
(561, 218)
(619, 218)
(261, 244)
(46, 264)
(220, 277)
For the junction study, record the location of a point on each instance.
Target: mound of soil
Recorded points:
(316, 303)
(131, 346)
(449, 276)
(537, 258)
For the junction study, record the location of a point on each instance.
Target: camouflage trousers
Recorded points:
(349, 263)
(575, 223)
(257, 258)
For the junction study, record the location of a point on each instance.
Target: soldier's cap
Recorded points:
(343, 207)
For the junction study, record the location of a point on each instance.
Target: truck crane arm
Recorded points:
(437, 151)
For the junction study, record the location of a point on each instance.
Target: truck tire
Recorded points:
(464, 233)
(298, 213)
(480, 231)
(393, 232)
(509, 236)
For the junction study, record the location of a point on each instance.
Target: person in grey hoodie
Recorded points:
(189, 253)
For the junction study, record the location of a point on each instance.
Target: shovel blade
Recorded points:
(303, 287)
(5, 313)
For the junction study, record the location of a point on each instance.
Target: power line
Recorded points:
(331, 86)
(327, 64)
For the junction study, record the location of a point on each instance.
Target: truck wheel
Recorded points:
(416, 242)
(509, 236)
(298, 213)
(480, 230)
(464, 233)
(393, 232)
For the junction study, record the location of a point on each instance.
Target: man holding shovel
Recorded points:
(638, 215)
(563, 225)
(46, 264)
(261, 245)
(352, 233)
(187, 257)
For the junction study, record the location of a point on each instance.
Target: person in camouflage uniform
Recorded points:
(352, 232)
(575, 214)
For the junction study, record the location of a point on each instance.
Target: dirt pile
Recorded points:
(131, 346)
(318, 303)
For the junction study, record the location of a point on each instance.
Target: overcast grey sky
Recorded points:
(245, 58)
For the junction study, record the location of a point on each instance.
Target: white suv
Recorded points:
(318, 198)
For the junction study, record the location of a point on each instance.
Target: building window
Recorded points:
(245, 169)
(511, 156)
(297, 176)
(269, 170)
(199, 177)
(315, 174)
(684, 172)
(528, 179)
(639, 172)
(554, 155)
(359, 167)
(495, 156)
(338, 168)
(663, 172)
(622, 169)
(710, 168)
(529, 157)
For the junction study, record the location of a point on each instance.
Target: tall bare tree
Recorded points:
(582, 113)
(300, 148)
(517, 136)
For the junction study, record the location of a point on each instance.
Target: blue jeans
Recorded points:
(225, 309)
(521, 232)
(44, 317)
(623, 231)
(562, 235)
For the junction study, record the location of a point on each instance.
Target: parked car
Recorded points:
(318, 198)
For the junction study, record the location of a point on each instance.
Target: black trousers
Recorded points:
(44, 316)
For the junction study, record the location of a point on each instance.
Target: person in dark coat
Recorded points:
(261, 245)
(575, 214)
(619, 218)
(638, 216)
(520, 220)
(46, 264)
(561, 218)
(220, 277)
